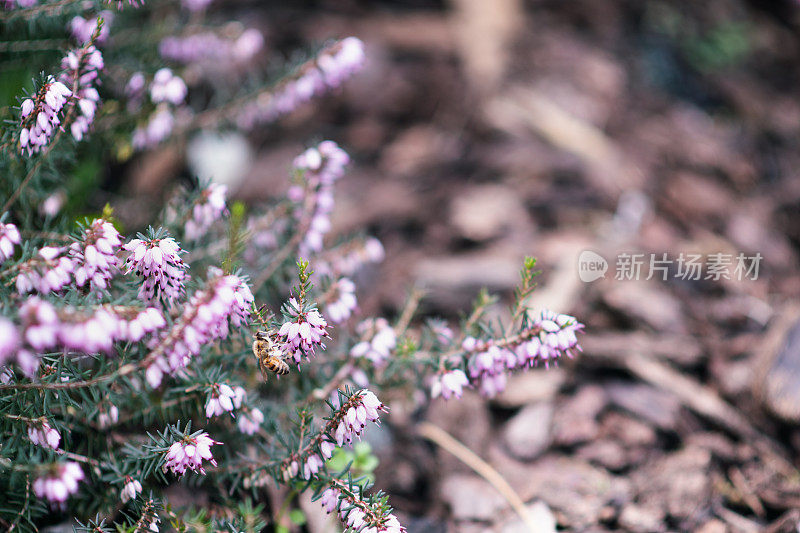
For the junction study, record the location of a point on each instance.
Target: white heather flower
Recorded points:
(42, 434)
(449, 384)
(207, 209)
(167, 87)
(312, 466)
(195, 5)
(130, 490)
(190, 453)
(94, 257)
(221, 400)
(379, 341)
(342, 308)
(9, 236)
(249, 421)
(159, 262)
(81, 69)
(59, 483)
(107, 418)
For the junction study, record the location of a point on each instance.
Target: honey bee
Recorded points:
(269, 354)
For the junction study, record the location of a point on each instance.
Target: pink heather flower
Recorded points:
(47, 271)
(379, 340)
(243, 301)
(81, 69)
(94, 257)
(210, 49)
(167, 87)
(357, 515)
(549, 337)
(342, 308)
(143, 322)
(362, 407)
(52, 204)
(449, 384)
(303, 332)
(42, 434)
(40, 116)
(249, 421)
(9, 236)
(221, 400)
(9, 340)
(190, 453)
(130, 490)
(159, 262)
(321, 167)
(82, 29)
(158, 128)
(207, 209)
(107, 418)
(40, 324)
(330, 69)
(59, 483)
(311, 466)
(203, 320)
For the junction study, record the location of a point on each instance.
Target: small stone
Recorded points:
(653, 405)
(471, 498)
(530, 387)
(541, 516)
(576, 420)
(639, 518)
(487, 211)
(528, 434)
(606, 453)
(782, 382)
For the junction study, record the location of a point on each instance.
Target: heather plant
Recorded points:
(127, 357)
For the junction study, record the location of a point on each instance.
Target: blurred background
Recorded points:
(486, 130)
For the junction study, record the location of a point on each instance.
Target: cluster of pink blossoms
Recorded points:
(42, 434)
(166, 89)
(159, 262)
(449, 383)
(329, 70)
(357, 515)
(206, 210)
(61, 481)
(209, 47)
(203, 320)
(92, 331)
(48, 271)
(345, 303)
(190, 453)
(9, 236)
(378, 341)
(249, 420)
(321, 167)
(82, 29)
(130, 490)
(81, 69)
(303, 332)
(224, 399)
(94, 257)
(362, 407)
(39, 117)
(549, 337)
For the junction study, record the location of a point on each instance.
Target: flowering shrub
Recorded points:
(127, 360)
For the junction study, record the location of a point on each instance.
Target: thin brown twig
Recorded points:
(447, 442)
